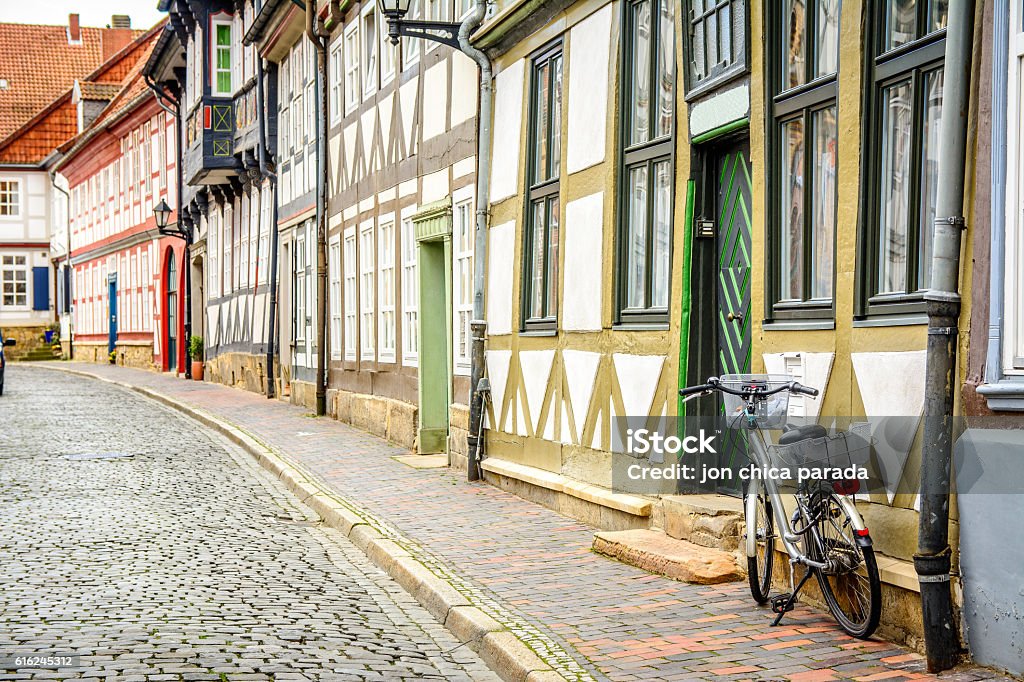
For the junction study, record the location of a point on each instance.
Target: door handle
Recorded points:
(734, 317)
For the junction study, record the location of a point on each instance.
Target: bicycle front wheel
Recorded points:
(850, 584)
(762, 525)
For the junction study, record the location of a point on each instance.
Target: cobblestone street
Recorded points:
(527, 567)
(155, 550)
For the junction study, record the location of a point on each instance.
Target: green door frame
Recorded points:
(433, 226)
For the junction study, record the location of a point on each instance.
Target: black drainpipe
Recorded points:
(272, 176)
(932, 560)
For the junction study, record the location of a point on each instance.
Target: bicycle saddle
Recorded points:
(795, 434)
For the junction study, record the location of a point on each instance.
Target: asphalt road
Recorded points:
(137, 545)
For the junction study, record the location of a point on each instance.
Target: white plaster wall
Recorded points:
(535, 366)
(435, 89)
(500, 268)
(435, 186)
(580, 374)
(407, 101)
(589, 47)
(465, 86)
(583, 264)
(508, 119)
(497, 372)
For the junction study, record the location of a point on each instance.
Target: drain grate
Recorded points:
(99, 455)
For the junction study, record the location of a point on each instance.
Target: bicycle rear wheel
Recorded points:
(851, 586)
(759, 566)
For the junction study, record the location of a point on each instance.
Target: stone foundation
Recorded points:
(26, 340)
(458, 434)
(393, 420)
(238, 370)
(137, 354)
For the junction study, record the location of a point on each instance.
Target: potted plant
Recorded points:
(195, 351)
(112, 356)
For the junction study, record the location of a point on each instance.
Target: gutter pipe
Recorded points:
(932, 560)
(67, 263)
(272, 177)
(483, 175)
(317, 38)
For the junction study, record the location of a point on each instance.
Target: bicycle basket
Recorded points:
(814, 455)
(771, 412)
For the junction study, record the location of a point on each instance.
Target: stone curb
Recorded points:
(499, 648)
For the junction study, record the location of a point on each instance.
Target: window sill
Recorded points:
(903, 320)
(1006, 395)
(798, 325)
(640, 327)
(538, 332)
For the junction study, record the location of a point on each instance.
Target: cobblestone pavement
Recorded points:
(155, 550)
(588, 616)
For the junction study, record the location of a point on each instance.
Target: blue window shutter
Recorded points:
(41, 288)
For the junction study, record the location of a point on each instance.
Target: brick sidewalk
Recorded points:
(589, 617)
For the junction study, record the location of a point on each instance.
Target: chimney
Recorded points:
(74, 30)
(120, 21)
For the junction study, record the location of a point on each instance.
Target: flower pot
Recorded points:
(48, 336)
(197, 370)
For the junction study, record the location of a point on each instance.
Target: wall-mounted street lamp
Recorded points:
(162, 214)
(444, 32)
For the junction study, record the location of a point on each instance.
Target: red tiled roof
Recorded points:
(104, 91)
(39, 65)
(55, 124)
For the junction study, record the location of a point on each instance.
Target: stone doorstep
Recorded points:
(714, 521)
(630, 504)
(656, 552)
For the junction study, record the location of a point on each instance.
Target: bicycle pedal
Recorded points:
(781, 603)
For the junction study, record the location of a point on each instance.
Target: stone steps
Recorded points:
(656, 552)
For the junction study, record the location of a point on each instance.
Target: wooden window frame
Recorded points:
(651, 152)
(881, 70)
(540, 191)
(719, 73)
(801, 102)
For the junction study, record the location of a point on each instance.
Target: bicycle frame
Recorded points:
(789, 537)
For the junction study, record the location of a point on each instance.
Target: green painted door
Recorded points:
(733, 247)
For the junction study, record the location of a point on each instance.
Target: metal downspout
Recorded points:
(483, 176)
(320, 44)
(932, 560)
(68, 278)
(270, 175)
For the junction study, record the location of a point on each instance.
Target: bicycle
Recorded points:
(825, 533)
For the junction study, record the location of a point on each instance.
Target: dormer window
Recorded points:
(223, 57)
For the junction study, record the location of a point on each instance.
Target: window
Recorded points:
(386, 295)
(804, 152)
(10, 198)
(411, 46)
(336, 83)
(213, 242)
(14, 281)
(223, 64)
(437, 10)
(334, 269)
(300, 284)
(229, 230)
(351, 67)
(645, 220)
(717, 41)
(351, 314)
(366, 291)
(1013, 330)
(410, 291)
(462, 289)
(540, 269)
(370, 47)
(388, 54)
(463, 8)
(264, 245)
(901, 137)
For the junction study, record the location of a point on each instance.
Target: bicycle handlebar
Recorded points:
(713, 384)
